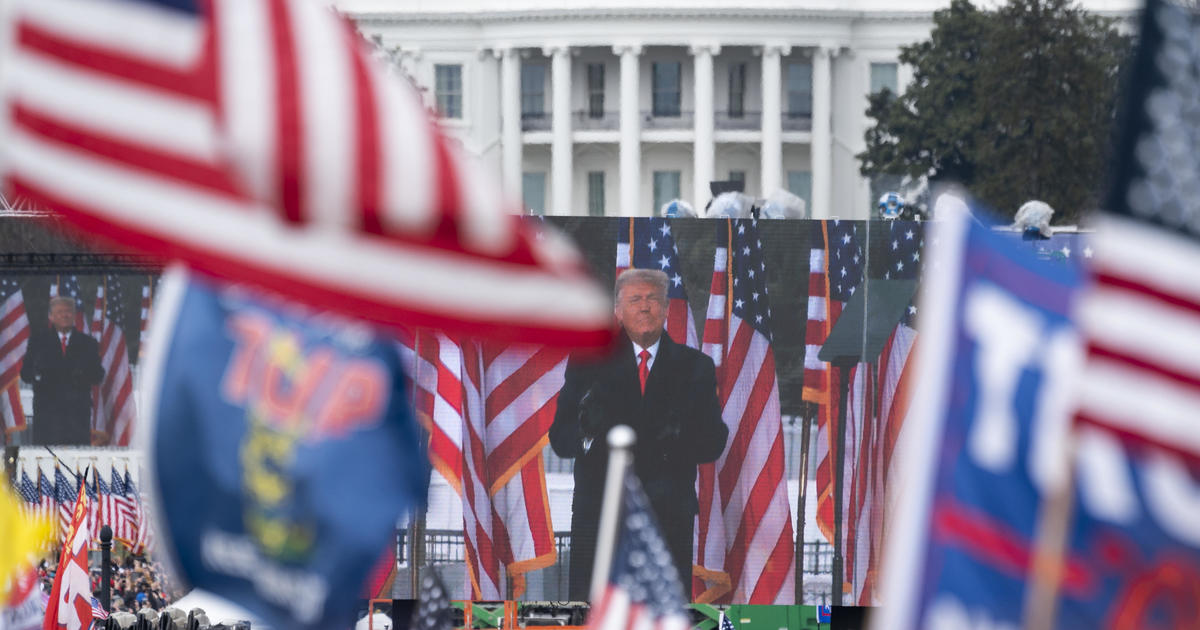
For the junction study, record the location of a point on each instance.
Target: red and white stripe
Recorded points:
(710, 581)
(14, 338)
(750, 479)
(617, 611)
(261, 143)
(1140, 320)
(116, 413)
(489, 410)
(820, 381)
(147, 301)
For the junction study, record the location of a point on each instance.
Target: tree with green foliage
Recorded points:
(1016, 103)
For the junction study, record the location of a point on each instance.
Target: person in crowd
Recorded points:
(667, 393)
(62, 364)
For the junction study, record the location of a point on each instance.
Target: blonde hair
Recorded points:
(642, 276)
(62, 299)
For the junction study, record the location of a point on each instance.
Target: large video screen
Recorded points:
(737, 413)
(69, 365)
(765, 337)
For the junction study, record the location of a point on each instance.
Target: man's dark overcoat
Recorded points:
(62, 386)
(678, 425)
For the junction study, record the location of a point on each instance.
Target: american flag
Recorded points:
(124, 519)
(259, 141)
(433, 608)
(147, 302)
(69, 287)
(98, 611)
(104, 505)
(115, 414)
(48, 498)
(643, 589)
(838, 262)
(14, 337)
(488, 408)
(29, 493)
(93, 520)
(725, 623)
(1141, 315)
(750, 483)
(64, 497)
(653, 247)
(135, 510)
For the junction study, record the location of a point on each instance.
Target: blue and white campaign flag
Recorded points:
(282, 450)
(989, 418)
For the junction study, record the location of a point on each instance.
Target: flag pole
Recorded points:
(621, 439)
(800, 507)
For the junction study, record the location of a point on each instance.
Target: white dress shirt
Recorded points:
(653, 350)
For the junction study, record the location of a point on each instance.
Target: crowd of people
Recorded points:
(135, 584)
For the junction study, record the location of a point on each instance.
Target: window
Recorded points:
(738, 176)
(533, 90)
(595, 85)
(799, 183)
(737, 90)
(595, 193)
(666, 188)
(799, 90)
(533, 191)
(884, 75)
(448, 89)
(666, 81)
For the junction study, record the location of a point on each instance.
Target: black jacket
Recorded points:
(678, 425)
(62, 386)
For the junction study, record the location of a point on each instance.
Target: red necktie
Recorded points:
(64, 344)
(643, 368)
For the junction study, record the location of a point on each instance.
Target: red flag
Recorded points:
(70, 606)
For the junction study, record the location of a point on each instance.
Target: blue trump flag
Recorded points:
(990, 418)
(283, 450)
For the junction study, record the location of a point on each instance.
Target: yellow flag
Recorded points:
(23, 534)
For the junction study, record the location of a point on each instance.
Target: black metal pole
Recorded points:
(838, 476)
(106, 567)
(803, 499)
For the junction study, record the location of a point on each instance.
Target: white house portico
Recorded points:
(615, 107)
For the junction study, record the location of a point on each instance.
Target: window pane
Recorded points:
(799, 89)
(737, 90)
(799, 183)
(666, 95)
(533, 90)
(596, 193)
(666, 188)
(884, 75)
(533, 191)
(447, 80)
(737, 176)
(595, 78)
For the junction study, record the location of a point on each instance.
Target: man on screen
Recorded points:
(667, 392)
(62, 364)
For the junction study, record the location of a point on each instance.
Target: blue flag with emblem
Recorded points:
(283, 449)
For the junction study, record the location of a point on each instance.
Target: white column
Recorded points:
(822, 135)
(631, 132)
(561, 148)
(703, 153)
(772, 118)
(510, 120)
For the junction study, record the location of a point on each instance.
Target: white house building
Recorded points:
(614, 107)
